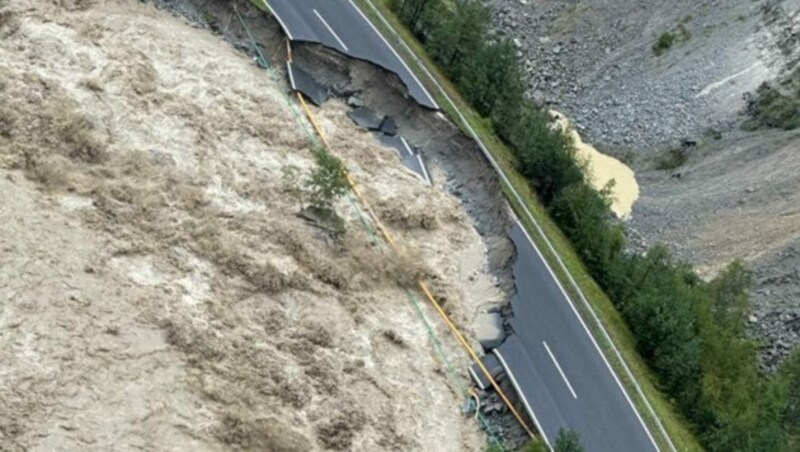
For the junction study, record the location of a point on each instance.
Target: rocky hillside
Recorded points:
(601, 63)
(664, 85)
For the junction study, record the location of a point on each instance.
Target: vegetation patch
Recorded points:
(690, 332)
(666, 40)
(672, 159)
(566, 441)
(663, 43)
(326, 184)
(769, 107)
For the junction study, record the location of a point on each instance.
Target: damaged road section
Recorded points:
(384, 126)
(340, 25)
(411, 158)
(386, 130)
(303, 82)
(576, 389)
(556, 366)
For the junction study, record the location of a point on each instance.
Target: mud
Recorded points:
(457, 165)
(158, 290)
(602, 170)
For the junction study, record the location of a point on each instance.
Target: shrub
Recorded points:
(326, 184)
(546, 155)
(584, 216)
(666, 40)
(663, 43)
(568, 441)
(673, 158)
(769, 107)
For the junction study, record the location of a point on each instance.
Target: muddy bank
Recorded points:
(603, 170)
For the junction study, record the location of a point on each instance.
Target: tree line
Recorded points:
(690, 332)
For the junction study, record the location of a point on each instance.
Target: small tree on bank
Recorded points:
(327, 183)
(568, 441)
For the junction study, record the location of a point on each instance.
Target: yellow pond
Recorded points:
(602, 169)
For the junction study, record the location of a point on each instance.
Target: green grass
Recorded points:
(676, 426)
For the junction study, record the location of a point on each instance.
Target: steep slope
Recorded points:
(596, 62)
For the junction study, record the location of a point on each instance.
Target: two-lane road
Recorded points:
(554, 362)
(340, 25)
(557, 367)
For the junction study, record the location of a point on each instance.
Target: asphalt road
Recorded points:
(557, 367)
(340, 25)
(554, 362)
(412, 160)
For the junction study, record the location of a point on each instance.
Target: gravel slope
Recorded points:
(594, 62)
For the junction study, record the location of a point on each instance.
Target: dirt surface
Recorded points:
(158, 290)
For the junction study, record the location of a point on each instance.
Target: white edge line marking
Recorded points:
(560, 370)
(324, 22)
(285, 28)
(588, 333)
(291, 76)
(521, 396)
(477, 380)
(425, 176)
(424, 90)
(433, 102)
(405, 144)
(424, 170)
(504, 178)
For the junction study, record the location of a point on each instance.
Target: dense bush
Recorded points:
(666, 40)
(568, 441)
(690, 332)
(769, 107)
(663, 43)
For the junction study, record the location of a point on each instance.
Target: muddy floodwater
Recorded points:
(603, 169)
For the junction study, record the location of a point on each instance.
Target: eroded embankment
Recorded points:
(457, 166)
